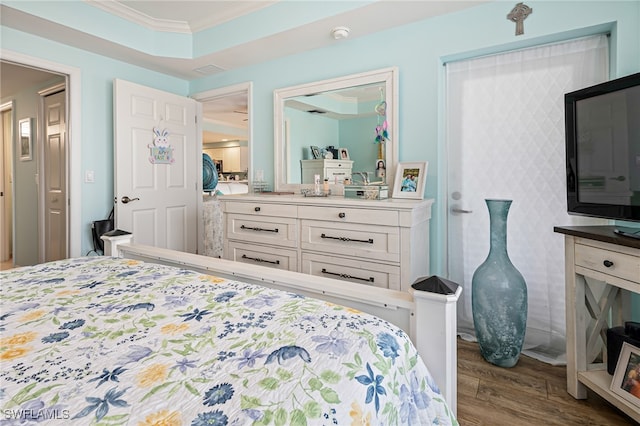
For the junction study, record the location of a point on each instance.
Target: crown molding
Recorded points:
(222, 14)
(125, 12)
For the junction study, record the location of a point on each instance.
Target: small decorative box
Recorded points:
(367, 192)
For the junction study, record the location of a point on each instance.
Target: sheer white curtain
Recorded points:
(505, 139)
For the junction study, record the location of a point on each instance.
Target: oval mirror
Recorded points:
(351, 118)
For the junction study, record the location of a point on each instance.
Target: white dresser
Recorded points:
(327, 169)
(382, 243)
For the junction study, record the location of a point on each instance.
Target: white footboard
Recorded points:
(428, 318)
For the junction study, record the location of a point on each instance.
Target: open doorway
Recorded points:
(24, 227)
(226, 139)
(226, 134)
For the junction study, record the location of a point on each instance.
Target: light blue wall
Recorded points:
(308, 130)
(355, 134)
(418, 50)
(358, 135)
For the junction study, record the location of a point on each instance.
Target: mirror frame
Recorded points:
(387, 75)
(25, 139)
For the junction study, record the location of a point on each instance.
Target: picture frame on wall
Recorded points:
(626, 379)
(315, 152)
(25, 139)
(410, 180)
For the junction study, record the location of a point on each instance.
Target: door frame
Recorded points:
(73, 82)
(8, 228)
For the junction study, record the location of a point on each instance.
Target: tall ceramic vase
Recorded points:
(499, 296)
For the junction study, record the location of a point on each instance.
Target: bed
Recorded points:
(112, 340)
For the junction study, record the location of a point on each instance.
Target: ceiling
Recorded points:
(190, 17)
(294, 32)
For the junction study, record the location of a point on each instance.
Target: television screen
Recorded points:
(603, 149)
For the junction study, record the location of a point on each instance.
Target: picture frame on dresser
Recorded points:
(626, 379)
(410, 180)
(315, 152)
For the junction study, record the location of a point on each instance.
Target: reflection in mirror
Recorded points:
(339, 128)
(340, 123)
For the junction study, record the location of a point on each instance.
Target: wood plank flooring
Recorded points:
(4, 266)
(531, 393)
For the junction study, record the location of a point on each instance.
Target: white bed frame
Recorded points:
(428, 318)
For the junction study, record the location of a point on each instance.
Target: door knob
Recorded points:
(126, 199)
(457, 210)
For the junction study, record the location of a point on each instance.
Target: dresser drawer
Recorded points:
(264, 256)
(370, 242)
(261, 209)
(608, 262)
(361, 272)
(340, 174)
(349, 215)
(280, 231)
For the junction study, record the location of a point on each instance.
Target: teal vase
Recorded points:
(499, 296)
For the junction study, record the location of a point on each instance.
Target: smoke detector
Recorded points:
(340, 32)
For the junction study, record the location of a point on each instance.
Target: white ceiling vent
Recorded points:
(209, 69)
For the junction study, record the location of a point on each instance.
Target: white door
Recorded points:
(55, 178)
(505, 139)
(156, 167)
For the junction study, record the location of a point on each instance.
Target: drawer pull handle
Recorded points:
(351, 277)
(256, 209)
(257, 259)
(369, 241)
(608, 263)
(342, 215)
(258, 229)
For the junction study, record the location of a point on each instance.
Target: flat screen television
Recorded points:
(602, 129)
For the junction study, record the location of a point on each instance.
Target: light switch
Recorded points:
(89, 176)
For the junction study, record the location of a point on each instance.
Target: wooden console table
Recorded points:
(602, 269)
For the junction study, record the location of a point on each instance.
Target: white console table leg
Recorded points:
(576, 332)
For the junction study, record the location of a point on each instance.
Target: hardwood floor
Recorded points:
(6, 265)
(531, 393)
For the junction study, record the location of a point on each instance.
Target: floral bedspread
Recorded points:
(101, 340)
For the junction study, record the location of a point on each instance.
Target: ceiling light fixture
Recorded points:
(340, 32)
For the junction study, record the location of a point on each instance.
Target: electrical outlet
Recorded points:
(89, 176)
